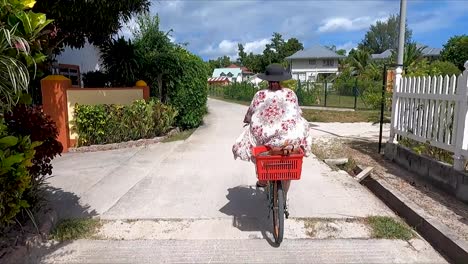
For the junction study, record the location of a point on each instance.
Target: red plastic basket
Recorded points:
(275, 168)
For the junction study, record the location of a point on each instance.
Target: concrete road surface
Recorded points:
(199, 180)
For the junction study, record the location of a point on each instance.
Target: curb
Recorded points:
(18, 253)
(122, 145)
(437, 234)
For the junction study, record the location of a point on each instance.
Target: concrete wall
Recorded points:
(439, 174)
(87, 96)
(59, 99)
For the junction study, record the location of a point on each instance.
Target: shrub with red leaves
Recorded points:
(26, 120)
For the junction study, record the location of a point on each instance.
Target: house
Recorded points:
(427, 52)
(233, 72)
(254, 80)
(218, 81)
(309, 64)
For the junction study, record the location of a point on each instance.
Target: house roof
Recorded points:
(244, 69)
(234, 71)
(426, 51)
(383, 55)
(316, 51)
(218, 79)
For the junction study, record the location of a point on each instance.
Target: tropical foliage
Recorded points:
(456, 51)
(119, 58)
(103, 124)
(383, 35)
(76, 22)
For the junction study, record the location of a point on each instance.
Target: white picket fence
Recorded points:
(433, 109)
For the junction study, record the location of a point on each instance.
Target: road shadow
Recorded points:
(369, 148)
(66, 205)
(248, 207)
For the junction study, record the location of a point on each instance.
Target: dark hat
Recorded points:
(275, 73)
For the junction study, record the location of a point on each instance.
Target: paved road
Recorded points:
(198, 179)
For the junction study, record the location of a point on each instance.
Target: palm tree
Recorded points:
(119, 59)
(14, 75)
(359, 60)
(412, 55)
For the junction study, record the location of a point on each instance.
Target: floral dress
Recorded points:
(275, 120)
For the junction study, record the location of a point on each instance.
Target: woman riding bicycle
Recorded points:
(275, 120)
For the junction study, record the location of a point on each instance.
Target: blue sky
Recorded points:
(213, 28)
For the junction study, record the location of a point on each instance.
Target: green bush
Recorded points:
(104, 124)
(189, 93)
(240, 91)
(96, 79)
(16, 154)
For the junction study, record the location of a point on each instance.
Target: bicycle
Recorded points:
(274, 169)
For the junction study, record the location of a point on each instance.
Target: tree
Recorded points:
(242, 54)
(275, 52)
(456, 51)
(359, 60)
(424, 68)
(119, 59)
(95, 21)
(291, 46)
(412, 54)
(384, 35)
(220, 62)
(341, 52)
(156, 54)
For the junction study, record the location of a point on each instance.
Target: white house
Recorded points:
(233, 72)
(307, 65)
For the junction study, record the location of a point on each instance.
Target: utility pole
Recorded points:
(399, 68)
(401, 36)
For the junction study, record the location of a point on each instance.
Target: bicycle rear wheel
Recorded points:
(278, 211)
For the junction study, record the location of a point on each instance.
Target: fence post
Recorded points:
(396, 90)
(461, 109)
(326, 92)
(355, 93)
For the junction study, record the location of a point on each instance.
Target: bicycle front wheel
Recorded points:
(278, 212)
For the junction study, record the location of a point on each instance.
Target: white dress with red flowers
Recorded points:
(275, 120)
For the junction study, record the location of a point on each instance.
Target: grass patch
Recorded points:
(179, 136)
(72, 229)
(389, 228)
(338, 116)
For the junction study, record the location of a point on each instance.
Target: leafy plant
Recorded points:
(95, 79)
(456, 51)
(190, 91)
(30, 121)
(119, 57)
(240, 91)
(16, 154)
(103, 124)
(22, 40)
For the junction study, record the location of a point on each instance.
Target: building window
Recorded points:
(312, 62)
(72, 72)
(302, 76)
(328, 62)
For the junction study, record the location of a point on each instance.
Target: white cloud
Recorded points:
(230, 48)
(347, 46)
(256, 46)
(346, 24)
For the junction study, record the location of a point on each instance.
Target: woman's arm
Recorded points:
(251, 110)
